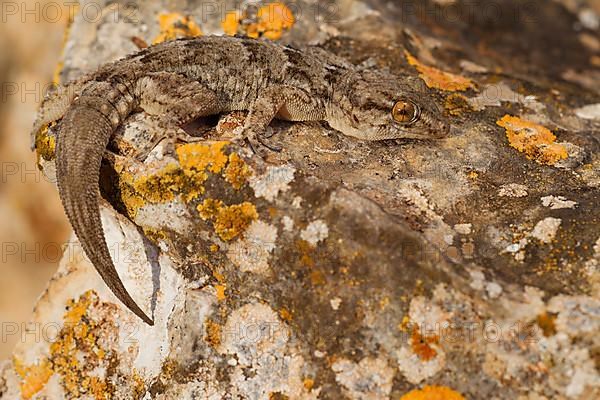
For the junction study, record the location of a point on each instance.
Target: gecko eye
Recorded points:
(405, 112)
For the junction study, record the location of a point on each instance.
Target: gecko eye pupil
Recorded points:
(405, 112)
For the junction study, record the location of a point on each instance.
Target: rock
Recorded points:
(340, 268)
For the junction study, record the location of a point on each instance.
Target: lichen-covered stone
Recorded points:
(460, 268)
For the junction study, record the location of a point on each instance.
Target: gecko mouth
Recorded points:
(437, 130)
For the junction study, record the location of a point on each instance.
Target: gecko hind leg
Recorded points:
(174, 100)
(163, 130)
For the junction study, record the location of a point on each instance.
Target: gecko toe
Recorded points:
(273, 147)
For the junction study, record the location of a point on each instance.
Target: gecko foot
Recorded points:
(258, 143)
(170, 135)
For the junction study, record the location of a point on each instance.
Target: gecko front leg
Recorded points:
(281, 102)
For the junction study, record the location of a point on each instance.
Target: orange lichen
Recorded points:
(273, 19)
(81, 335)
(220, 292)
(209, 208)
(231, 22)
(186, 179)
(213, 333)
(218, 276)
(228, 221)
(158, 187)
(237, 171)
(139, 386)
(438, 79)
(45, 144)
(308, 383)
(404, 325)
(196, 157)
(233, 220)
(433, 393)
(33, 378)
(175, 25)
(536, 141)
(79, 339)
(270, 22)
(285, 314)
(546, 323)
(421, 345)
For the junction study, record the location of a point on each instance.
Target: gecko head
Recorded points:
(381, 106)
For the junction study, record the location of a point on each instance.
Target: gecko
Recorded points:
(185, 79)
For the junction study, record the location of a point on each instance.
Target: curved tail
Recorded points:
(82, 140)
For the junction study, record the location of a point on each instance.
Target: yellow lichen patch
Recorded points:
(77, 309)
(80, 339)
(175, 25)
(139, 386)
(546, 322)
(196, 157)
(308, 383)
(213, 333)
(404, 325)
(155, 235)
(159, 187)
(219, 277)
(186, 179)
(231, 22)
(33, 378)
(45, 144)
(285, 314)
(273, 19)
(433, 393)
(536, 141)
(421, 345)
(438, 79)
(237, 171)
(221, 292)
(228, 221)
(270, 22)
(233, 220)
(209, 208)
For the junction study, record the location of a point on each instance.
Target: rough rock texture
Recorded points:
(459, 268)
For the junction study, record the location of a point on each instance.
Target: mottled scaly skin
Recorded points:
(189, 78)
